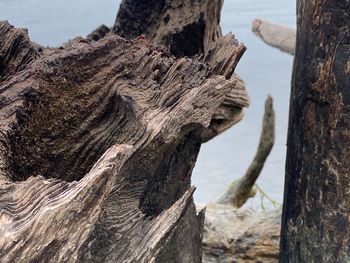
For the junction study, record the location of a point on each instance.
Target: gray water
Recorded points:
(264, 69)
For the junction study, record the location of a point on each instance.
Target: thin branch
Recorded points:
(240, 191)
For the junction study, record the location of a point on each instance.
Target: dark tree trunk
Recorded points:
(316, 222)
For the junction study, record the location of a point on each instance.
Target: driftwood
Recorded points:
(68, 107)
(183, 28)
(98, 139)
(275, 35)
(230, 235)
(186, 28)
(240, 235)
(239, 192)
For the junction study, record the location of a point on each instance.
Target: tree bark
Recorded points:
(316, 224)
(98, 139)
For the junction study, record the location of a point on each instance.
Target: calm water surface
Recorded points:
(264, 69)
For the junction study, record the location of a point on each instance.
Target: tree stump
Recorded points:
(98, 141)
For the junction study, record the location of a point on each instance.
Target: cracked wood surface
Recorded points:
(143, 111)
(186, 28)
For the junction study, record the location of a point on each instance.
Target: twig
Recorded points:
(264, 195)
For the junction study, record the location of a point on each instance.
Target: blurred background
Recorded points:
(264, 69)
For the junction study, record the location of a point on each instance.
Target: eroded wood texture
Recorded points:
(316, 224)
(187, 28)
(144, 112)
(240, 235)
(184, 27)
(16, 50)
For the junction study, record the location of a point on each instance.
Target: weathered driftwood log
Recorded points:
(97, 144)
(255, 235)
(186, 28)
(275, 35)
(240, 235)
(239, 192)
(316, 222)
(182, 28)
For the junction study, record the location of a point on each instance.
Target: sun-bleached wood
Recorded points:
(186, 28)
(97, 143)
(240, 235)
(275, 35)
